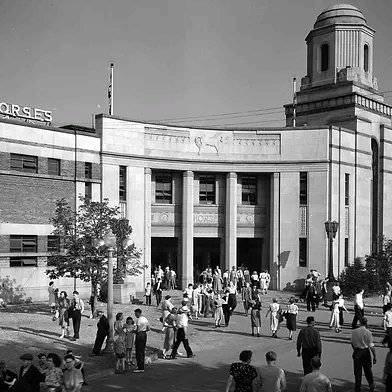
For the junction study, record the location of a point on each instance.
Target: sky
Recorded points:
(173, 58)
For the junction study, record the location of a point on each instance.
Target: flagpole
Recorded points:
(110, 91)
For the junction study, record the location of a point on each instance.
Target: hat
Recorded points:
(27, 357)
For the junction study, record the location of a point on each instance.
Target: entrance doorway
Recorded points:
(249, 253)
(164, 252)
(206, 253)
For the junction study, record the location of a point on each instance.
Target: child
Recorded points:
(129, 330)
(120, 352)
(218, 312)
(147, 294)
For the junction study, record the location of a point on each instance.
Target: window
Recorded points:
(303, 188)
(207, 190)
(53, 243)
(123, 183)
(23, 262)
(303, 252)
(346, 189)
(249, 190)
(346, 252)
(163, 189)
(366, 58)
(88, 170)
(324, 57)
(54, 166)
(88, 190)
(24, 163)
(23, 243)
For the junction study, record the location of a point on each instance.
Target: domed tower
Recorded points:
(339, 76)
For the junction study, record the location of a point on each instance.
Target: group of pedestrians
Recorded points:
(51, 373)
(65, 309)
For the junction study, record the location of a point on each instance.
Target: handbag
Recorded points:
(280, 316)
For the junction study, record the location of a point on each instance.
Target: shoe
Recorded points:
(61, 336)
(258, 335)
(138, 371)
(191, 356)
(290, 338)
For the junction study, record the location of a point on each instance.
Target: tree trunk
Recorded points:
(93, 299)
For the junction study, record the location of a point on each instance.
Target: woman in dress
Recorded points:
(167, 306)
(118, 324)
(54, 379)
(216, 282)
(291, 317)
(63, 306)
(246, 293)
(52, 297)
(169, 330)
(242, 373)
(129, 331)
(273, 311)
(255, 317)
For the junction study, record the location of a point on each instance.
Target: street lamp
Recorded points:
(109, 240)
(331, 228)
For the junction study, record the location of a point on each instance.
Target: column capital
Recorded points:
(187, 173)
(232, 175)
(147, 171)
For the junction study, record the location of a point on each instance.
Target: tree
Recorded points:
(79, 232)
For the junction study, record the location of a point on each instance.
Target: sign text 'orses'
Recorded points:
(26, 112)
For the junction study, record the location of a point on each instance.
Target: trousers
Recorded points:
(181, 337)
(362, 360)
(76, 317)
(226, 313)
(140, 348)
(358, 315)
(100, 338)
(307, 355)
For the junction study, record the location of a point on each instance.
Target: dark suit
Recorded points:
(158, 287)
(102, 333)
(32, 377)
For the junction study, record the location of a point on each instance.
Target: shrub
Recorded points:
(10, 292)
(354, 277)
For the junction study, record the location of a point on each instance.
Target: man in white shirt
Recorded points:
(77, 306)
(359, 308)
(316, 381)
(362, 344)
(181, 325)
(142, 327)
(388, 325)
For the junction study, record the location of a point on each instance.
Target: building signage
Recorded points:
(26, 112)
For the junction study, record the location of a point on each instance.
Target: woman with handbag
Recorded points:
(291, 317)
(274, 312)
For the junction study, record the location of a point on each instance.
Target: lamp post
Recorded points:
(109, 240)
(331, 228)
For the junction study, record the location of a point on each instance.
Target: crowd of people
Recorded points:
(50, 373)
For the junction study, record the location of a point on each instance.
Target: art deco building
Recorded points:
(221, 196)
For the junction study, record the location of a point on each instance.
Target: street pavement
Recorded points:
(31, 329)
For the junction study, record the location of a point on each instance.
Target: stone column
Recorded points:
(274, 265)
(147, 224)
(231, 221)
(187, 229)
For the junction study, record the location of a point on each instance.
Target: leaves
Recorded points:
(79, 233)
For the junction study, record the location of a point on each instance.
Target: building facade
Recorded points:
(222, 196)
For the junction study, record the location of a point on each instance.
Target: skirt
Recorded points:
(291, 321)
(169, 338)
(255, 318)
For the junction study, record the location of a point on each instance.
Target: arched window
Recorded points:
(324, 57)
(366, 58)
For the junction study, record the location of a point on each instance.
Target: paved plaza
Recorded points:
(32, 329)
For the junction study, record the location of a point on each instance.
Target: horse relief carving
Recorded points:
(209, 142)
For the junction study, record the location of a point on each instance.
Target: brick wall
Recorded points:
(32, 199)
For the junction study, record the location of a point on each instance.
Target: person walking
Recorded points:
(52, 297)
(316, 381)
(218, 312)
(271, 378)
(181, 325)
(341, 308)
(242, 373)
(388, 325)
(232, 301)
(359, 308)
(246, 294)
(240, 279)
(172, 279)
(291, 317)
(273, 311)
(226, 307)
(167, 306)
(147, 294)
(142, 327)
(158, 288)
(216, 282)
(102, 332)
(254, 279)
(63, 307)
(255, 317)
(246, 275)
(363, 346)
(169, 329)
(308, 344)
(77, 306)
(311, 298)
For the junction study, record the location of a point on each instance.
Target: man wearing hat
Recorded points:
(29, 374)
